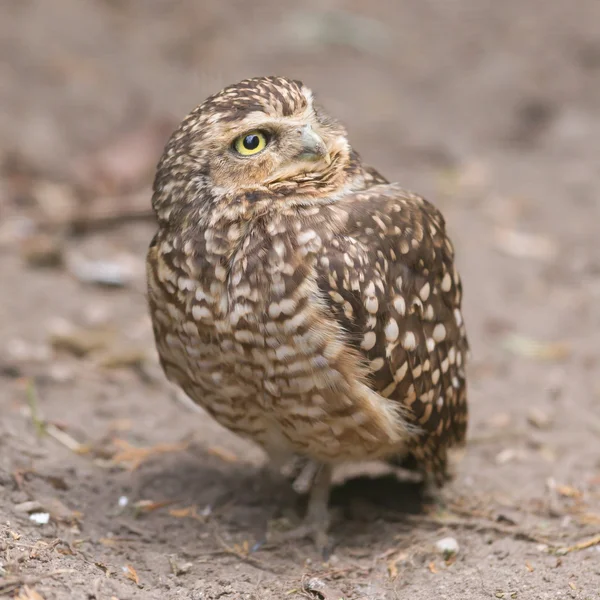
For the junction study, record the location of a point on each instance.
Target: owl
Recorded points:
(301, 299)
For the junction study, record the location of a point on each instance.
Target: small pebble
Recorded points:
(40, 518)
(42, 250)
(539, 418)
(447, 546)
(506, 456)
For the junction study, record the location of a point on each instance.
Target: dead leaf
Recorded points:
(108, 541)
(392, 565)
(131, 457)
(131, 574)
(146, 506)
(568, 491)
(27, 593)
(223, 454)
(431, 567)
(589, 519)
(190, 511)
(242, 549)
(65, 550)
(529, 567)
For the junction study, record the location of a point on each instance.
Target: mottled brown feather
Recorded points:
(392, 234)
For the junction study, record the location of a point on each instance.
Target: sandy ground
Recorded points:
(490, 109)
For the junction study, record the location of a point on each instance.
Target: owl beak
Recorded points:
(313, 147)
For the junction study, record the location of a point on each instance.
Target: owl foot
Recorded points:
(316, 521)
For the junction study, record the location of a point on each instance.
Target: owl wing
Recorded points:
(389, 279)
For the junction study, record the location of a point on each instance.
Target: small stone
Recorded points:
(61, 372)
(506, 456)
(116, 272)
(40, 518)
(79, 341)
(42, 250)
(123, 357)
(539, 418)
(448, 547)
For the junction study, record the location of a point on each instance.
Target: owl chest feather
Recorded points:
(245, 335)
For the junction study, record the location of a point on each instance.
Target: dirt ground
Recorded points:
(490, 109)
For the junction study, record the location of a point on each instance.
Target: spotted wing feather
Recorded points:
(391, 282)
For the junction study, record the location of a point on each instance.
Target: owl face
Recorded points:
(267, 131)
(259, 137)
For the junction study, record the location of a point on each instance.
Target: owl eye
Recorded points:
(251, 143)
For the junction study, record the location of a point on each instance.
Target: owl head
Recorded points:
(258, 141)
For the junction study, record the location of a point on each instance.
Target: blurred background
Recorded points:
(489, 109)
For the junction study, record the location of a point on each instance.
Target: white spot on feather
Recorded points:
(400, 305)
(439, 332)
(369, 340)
(446, 283)
(377, 364)
(372, 304)
(409, 342)
(391, 331)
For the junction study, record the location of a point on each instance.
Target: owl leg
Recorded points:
(317, 514)
(316, 521)
(295, 470)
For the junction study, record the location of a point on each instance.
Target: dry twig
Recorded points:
(583, 545)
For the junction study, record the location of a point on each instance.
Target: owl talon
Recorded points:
(316, 532)
(316, 522)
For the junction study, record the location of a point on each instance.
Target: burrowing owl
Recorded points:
(301, 299)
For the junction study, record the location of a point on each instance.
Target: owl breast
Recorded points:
(250, 344)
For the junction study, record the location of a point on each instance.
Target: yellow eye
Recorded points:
(250, 143)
